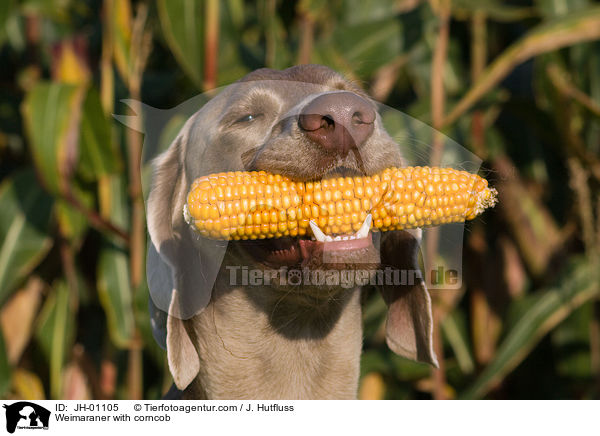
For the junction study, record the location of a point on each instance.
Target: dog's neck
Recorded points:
(257, 343)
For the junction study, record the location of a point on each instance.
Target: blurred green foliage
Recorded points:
(517, 83)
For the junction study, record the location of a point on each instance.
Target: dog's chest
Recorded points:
(243, 356)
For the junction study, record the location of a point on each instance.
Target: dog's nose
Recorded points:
(338, 121)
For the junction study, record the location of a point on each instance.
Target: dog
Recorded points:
(227, 339)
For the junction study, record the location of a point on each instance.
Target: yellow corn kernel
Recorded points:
(257, 205)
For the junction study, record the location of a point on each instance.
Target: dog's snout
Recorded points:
(338, 121)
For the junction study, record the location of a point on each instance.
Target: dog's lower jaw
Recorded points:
(307, 353)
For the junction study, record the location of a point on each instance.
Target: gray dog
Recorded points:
(231, 340)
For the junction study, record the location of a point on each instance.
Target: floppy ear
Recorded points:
(181, 266)
(182, 356)
(409, 326)
(169, 258)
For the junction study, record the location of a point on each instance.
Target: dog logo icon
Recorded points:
(26, 415)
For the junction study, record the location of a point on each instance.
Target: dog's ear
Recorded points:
(170, 257)
(409, 326)
(181, 266)
(182, 356)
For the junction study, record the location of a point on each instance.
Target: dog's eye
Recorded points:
(248, 118)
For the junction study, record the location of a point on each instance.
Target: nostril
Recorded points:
(357, 118)
(312, 122)
(366, 116)
(327, 121)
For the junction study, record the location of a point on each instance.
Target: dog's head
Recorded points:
(307, 123)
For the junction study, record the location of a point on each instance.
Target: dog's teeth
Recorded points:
(363, 232)
(328, 238)
(345, 238)
(337, 238)
(352, 237)
(319, 235)
(186, 215)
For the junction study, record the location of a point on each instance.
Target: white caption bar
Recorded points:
(298, 417)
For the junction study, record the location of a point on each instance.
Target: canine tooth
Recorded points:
(328, 238)
(363, 232)
(319, 235)
(186, 215)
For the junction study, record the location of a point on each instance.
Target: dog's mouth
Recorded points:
(315, 246)
(305, 250)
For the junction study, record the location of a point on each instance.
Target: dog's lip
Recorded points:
(317, 176)
(289, 251)
(274, 252)
(347, 245)
(342, 171)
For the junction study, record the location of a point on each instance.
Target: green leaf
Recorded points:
(409, 370)
(555, 8)
(495, 9)
(27, 385)
(115, 294)
(24, 240)
(567, 30)
(54, 9)
(113, 272)
(6, 8)
(72, 223)
(361, 48)
(455, 331)
(572, 341)
(375, 361)
(183, 28)
(97, 155)
(593, 138)
(383, 361)
(144, 326)
(579, 283)
(52, 112)
(55, 333)
(357, 11)
(120, 16)
(5, 369)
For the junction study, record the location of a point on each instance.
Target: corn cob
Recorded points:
(258, 205)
